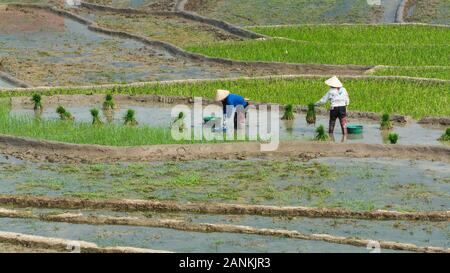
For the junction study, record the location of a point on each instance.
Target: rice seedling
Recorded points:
(37, 100)
(64, 114)
(129, 118)
(109, 103)
(386, 123)
(321, 134)
(413, 98)
(446, 135)
(393, 138)
(311, 114)
(288, 112)
(95, 117)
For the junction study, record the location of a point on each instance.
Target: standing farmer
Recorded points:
(339, 99)
(230, 103)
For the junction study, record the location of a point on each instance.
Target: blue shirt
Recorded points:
(234, 100)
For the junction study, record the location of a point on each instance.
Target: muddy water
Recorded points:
(416, 232)
(158, 115)
(46, 49)
(5, 84)
(125, 3)
(357, 184)
(171, 240)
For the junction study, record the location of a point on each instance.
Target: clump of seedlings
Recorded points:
(95, 117)
(321, 134)
(311, 114)
(446, 135)
(64, 114)
(37, 99)
(393, 138)
(180, 120)
(288, 112)
(386, 123)
(129, 118)
(109, 103)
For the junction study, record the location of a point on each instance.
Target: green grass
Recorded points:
(359, 45)
(417, 99)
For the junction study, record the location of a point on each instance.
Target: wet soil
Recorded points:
(159, 115)
(47, 49)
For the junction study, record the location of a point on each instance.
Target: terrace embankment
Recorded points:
(216, 208)
(207, 227)
(180, 12)
(131, 67)
(52, 151)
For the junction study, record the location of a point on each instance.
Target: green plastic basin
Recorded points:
(355, 129)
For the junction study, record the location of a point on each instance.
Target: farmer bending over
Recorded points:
(339, 99)
(230, 103)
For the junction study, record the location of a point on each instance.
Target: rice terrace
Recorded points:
(224, 126)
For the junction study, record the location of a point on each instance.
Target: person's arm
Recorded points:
(323, 100)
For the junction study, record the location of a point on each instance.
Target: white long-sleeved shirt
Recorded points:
(337, 97)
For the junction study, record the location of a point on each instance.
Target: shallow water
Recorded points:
(128, 3)
(390, 8)
(75, 55)
(159, 115)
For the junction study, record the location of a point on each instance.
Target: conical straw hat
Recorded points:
(222, 94)
(334, 82)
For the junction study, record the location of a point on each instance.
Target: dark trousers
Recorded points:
(340, 113)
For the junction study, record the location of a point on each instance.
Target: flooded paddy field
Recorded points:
(351, 183)
(274, 12)
(413, 232)
(159, 115)
(172, 240)
(136, 4)
(42, 48)
(5, 84)
(169, 28)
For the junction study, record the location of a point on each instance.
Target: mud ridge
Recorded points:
(352, 24)
(64, 245)
(216, 208)
(222, 228)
